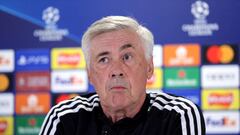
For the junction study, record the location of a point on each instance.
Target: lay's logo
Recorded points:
(220, 99)
(155, 82)
(6, 125)
(67, 58)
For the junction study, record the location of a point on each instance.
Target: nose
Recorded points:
(116, 71)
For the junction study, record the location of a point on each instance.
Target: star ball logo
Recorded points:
(200, 10)
(51, 16)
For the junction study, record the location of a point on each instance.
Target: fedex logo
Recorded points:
(69, 81)
(35, 59)
(6, 60)
(226, 122)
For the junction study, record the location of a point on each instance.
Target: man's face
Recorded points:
(118, 68)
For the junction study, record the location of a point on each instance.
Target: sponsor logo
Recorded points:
(4, 82)
(35, 59)
(51, 16)
(181, 55)
(157, 55)
(6, 102)
(28, 125)
(6, 60)
(181, 77)
(67, 58)
(220, 99)
(26, 81)
(226, 122)
(220, 54)
(6, 125)
(69, 81)
(200, 27)
(57, 98)
(155, 82)
(32, 103)
(214, 76)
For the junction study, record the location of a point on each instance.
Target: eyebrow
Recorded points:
(121, 48)
(126, 46)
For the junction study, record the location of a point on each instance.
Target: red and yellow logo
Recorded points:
(155, 82)
(67, 58)
(6, 126)
(220, 99)
(220, 54)
(181, 55)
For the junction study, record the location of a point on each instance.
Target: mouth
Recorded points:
(118, 88)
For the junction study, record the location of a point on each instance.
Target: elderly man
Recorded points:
(118, 53)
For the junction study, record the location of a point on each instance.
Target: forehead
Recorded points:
(115, 39)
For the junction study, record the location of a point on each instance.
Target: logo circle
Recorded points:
(4, 82)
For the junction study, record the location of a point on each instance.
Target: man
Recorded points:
(118, 53)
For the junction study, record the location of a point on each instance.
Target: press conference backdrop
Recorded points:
(41, 62)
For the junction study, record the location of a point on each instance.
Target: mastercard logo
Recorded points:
(220, 54)
(4, 82)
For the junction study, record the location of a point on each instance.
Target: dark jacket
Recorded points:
(161, 114)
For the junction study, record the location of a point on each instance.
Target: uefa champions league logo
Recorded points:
(200, 10)
(50, 16)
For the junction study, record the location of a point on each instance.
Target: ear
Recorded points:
(89, 76)
(150, 69)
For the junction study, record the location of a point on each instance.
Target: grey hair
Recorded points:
(114, 23)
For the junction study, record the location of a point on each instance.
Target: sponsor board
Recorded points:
(220, 54)
(32, 103)
(157, 55)
(222, 122)
(29, 81)
(193, 94)
(6, 82)
(28, 125)
(6, 125)
(213, 76)
(67, 58)
(7, 60)
(187, 77)
(220, 99)
(155, 82)
(6, 102)
(181, 55)
(69, 81)
(57, 98)
(32, 59)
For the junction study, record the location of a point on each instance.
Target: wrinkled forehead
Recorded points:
(115, 39)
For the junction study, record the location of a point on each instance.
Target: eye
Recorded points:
(127, 57)
(103, 60)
